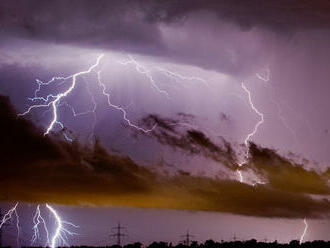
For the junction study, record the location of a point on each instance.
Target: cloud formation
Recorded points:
(36, 168)
(287, 175)
(135, 20)
(274, 15)
(167, 28)
(192, 141)
(102, 24)
(280, 173)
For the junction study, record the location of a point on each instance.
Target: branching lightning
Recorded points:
(148, 73)
(61, 232)
(255, 129)
(37, 220)
(53, 102)
(120, 108)
(304, 232)
(143, 70)
(8, 216)
(176, 76)
(179, 78)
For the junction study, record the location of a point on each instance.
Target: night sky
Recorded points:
(166, 116)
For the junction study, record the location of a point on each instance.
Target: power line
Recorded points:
(118, 234)
(187, 239)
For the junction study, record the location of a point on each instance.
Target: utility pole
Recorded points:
(118, 234)
(187, 239)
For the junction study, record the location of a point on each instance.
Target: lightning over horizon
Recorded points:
(164, 116)
(304, 232)
(61, 232)
(37, 220)
(52, 102)
(8, 216)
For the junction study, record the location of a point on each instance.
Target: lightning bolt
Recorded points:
(143, 70)
(176, 76)
(173, 75)
(89, 111)
(148, 73)
(54, 100)
(102, 85)
(61, 232)
(304, 232)
(255, 129)
(264, 76)
(252, 133)
(170, 74)
(37, 220)
(8, 216)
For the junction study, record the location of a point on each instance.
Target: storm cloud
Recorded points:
(280, 173)
(37, 168)
(166, 28)
(134, 21)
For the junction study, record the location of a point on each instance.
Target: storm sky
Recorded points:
(184, 69)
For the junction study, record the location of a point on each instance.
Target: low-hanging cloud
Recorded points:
(35, 168)
(192, 141)
(280, 173)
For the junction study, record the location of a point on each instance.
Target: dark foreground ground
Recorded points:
(212, 244)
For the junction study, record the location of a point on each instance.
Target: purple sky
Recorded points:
(212, 46)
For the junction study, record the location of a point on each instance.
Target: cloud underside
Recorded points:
(135, 20)
(35, 168)
(231, 37)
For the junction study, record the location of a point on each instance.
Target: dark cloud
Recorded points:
(35, 168)
(276, 15)
(21, 137)
(287, 175)
(101, 24)
(280, 172)
(138, 26)
(191, 140)
(133, 21)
